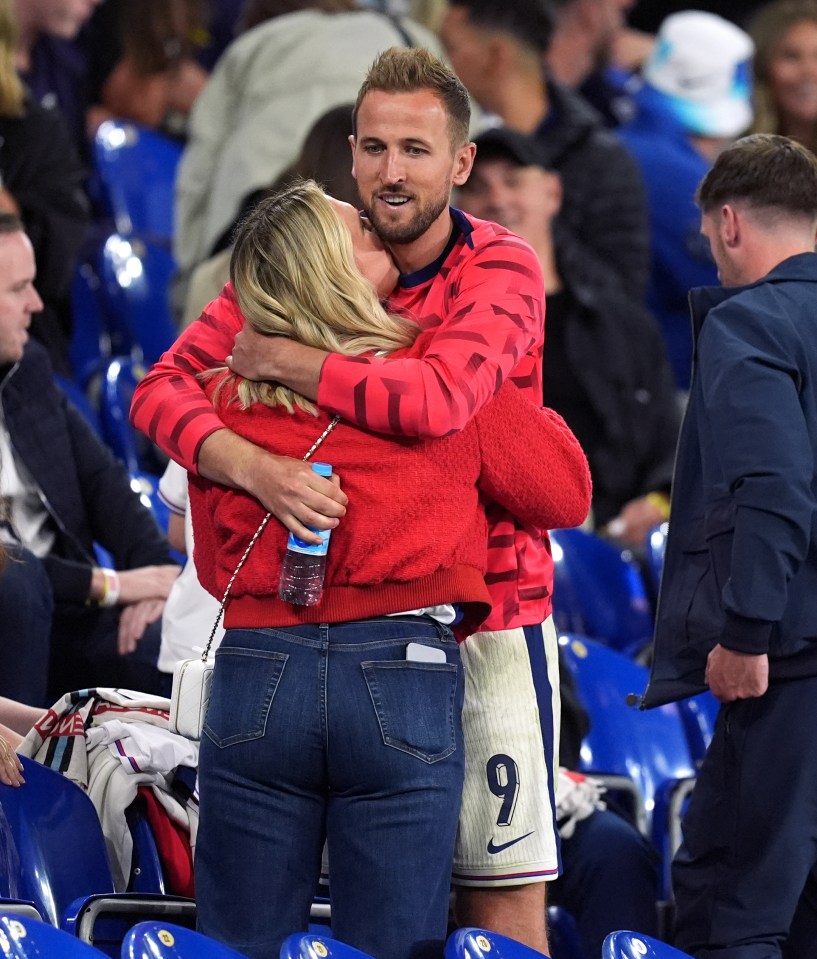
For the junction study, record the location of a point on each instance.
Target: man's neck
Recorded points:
(411, 257)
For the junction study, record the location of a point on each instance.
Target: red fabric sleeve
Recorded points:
(169, 404)
(493, 312)
(532, 464)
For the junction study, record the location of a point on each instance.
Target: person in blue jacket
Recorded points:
(738, 605)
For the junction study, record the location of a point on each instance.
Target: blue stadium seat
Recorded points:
(133, 448)
(307, 945)
(649, 747)
(653, 561)
(598, 592)
(563, 935)
(164, 940)
(90, 333)
(24, 938)
(632, 945)
(51, 843)
(54, 858)
(699, 714)
(135, 273)
(135, 170)
(482, 944)
(79, 398)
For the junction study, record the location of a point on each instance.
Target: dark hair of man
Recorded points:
(410, 69)
(10, 223)
(529, 22)
(764, 171)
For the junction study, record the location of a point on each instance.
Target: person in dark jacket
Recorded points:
(43, 180)
(606, 370)
(738, 604)
(62, 493)
(601, 232)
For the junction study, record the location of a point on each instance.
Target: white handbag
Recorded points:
(193, 678)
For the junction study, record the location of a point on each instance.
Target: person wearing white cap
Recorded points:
(696, 98)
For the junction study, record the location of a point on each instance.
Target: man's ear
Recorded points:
(352, 142)
(555, 191)
(463, 163)
(730, 225)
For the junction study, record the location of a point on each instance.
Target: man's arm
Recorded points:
(171, 407)
(761, 458)
(493, 319)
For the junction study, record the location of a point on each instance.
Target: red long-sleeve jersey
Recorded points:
(485, 296)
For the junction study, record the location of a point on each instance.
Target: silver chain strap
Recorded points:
(252, 542)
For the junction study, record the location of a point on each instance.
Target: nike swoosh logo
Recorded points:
(493, 849)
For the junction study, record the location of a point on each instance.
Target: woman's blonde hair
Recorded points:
(294, 273)
(12, 91)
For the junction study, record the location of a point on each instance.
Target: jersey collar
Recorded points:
(462, 227)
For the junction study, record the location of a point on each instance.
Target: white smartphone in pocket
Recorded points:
(418, 653)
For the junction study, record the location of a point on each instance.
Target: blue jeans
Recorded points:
(26, 610)
(328, 731)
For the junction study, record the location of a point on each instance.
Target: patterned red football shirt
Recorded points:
(485, 294)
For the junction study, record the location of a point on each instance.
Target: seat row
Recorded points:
(26, 938)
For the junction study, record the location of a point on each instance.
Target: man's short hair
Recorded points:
(410, 69)
(529, 22)
(10, 223)
(763, 170)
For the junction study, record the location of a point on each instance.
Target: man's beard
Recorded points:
(400, 233)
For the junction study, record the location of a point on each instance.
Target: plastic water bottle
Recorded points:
(304, 564)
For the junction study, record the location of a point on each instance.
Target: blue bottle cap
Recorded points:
(322, 469)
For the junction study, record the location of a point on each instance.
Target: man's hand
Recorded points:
(732, 675)
(134, 620)
(634, 522)
(288, 488)
(147, 582)
(294, 493)
(11, 769)
(277, 359)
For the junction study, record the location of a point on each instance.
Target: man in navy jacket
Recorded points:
(738, 608)
(62, 492)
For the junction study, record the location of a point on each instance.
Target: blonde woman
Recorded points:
(342, 720)
(785, 66)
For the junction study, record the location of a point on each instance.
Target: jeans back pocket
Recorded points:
(417, 706)
(244, 684)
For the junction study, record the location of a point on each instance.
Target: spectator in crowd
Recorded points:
(480, 290)
(300, 59)
(497, 50)
(53, 67)
(299, 772)
(605, 369)
(324, 158)
(142, 62)
(63, 492)
(785, 70)
(586, 34)
(41, 179)
(738, 604)
(696, 97)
